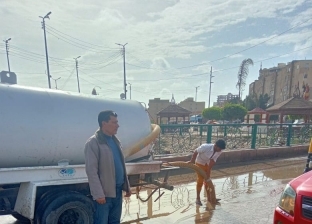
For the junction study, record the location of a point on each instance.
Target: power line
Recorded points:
(64, 61)
(113, 61)
(220, 70)
(108, 83)
(103, 60)
(145, 65)
(111, 58)
(30, 58)
(14, 54)
(38, 55)
(71, 73)
(74, 43)
(98, 46)
(180, 77)
(218, 59)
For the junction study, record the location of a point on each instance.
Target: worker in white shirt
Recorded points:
(205, 156)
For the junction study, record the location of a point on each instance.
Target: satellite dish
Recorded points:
(122, 96)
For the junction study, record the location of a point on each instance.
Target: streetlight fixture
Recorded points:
(196, 93)
(7, 51)
(76, 60)
(124, 67)
(55, 80)
(45, 44)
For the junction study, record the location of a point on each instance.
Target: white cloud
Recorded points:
(162, 35)
(160, 63)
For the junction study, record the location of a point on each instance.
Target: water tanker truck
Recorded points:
(42, 137)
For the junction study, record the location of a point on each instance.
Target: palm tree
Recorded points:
(242, 75)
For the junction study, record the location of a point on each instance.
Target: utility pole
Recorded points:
(211, 76)
(76, 60)
(7, 51)
(196, 93)
(55, 81)
(130, 89)
(45, 44)
(124, 67)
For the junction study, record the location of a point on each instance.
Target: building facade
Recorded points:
(193, 106)
(156, 105)
(284, 81)
(222, 99)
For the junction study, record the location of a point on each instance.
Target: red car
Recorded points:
(295, 205)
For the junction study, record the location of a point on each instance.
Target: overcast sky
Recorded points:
(172, 44)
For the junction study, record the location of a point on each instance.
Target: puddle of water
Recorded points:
(245, 199)
(241, 194)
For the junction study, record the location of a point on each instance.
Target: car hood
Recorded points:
(303, 184)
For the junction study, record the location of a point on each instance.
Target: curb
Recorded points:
(244, 155)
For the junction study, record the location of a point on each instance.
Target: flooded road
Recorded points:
(248, 193)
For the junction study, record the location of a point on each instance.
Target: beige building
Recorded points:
(156, 105)
(193, 106)
(284, 81)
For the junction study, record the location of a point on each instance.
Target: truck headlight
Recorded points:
(287, 200)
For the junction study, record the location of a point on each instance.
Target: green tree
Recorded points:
(249, 103)
(233, 111)
(212, 113)
(263, 101)
(235, 101)
(242, 75)
(295, 117)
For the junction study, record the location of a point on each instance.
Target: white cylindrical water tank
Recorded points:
(40, 127)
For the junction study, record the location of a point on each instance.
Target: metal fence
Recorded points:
(183, 138)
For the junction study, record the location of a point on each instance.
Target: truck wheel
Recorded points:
(44, 201)
(69, 208)
(20, 218)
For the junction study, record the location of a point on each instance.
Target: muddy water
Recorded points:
(248, 193)
(246, 198)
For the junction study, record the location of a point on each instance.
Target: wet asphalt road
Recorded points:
(249, 193)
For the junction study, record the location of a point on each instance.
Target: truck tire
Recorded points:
(68, 208)
(44, 201)
(20, 218)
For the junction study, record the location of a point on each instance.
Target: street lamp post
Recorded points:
(76, 60)
(124, 67)
(7, 51)
(211, 76)
(196, 93)
(130, 89)
(45, 44)
(55, 80)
